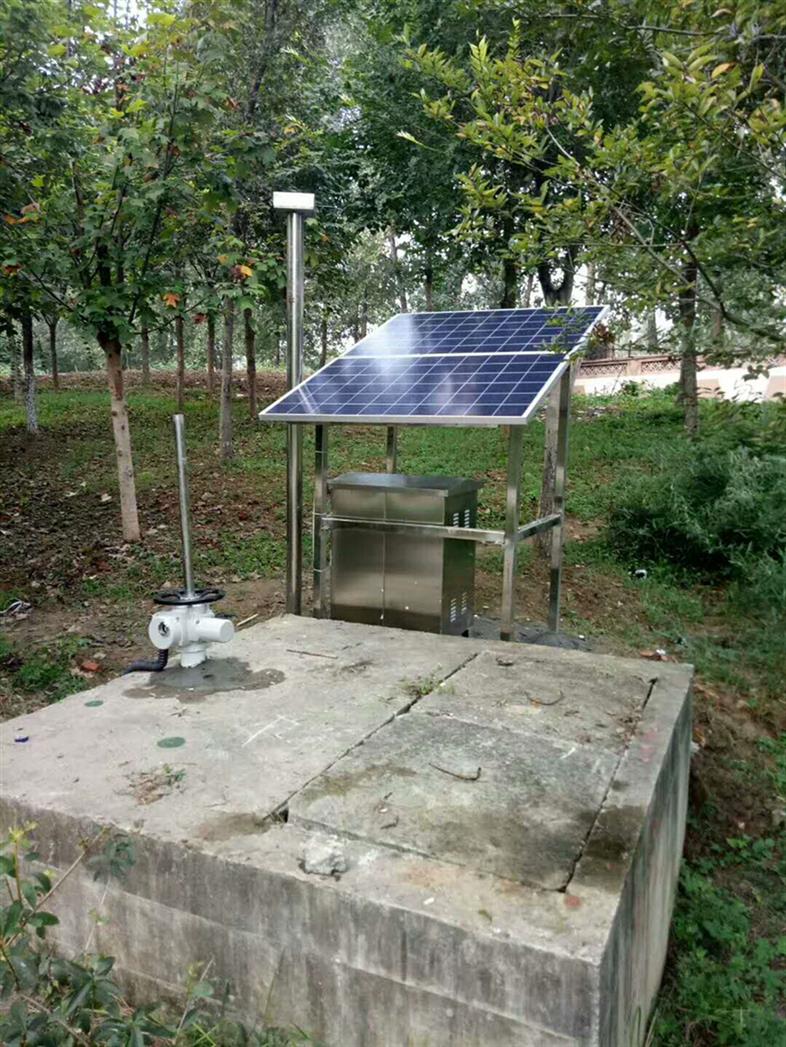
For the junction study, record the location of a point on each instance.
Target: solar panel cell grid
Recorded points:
(486, 366)
(433, 387)
(490, 331)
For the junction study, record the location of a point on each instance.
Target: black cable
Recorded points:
(143, 666)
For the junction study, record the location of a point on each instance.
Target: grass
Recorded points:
(725, 978)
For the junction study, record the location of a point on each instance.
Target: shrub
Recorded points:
(705, 511)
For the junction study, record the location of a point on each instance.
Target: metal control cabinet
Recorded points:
(408, 581)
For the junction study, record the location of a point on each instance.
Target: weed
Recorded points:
(55, 1001)
(46, 671)
(727, 981)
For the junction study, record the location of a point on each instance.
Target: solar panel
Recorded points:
(482, 331)
(444, 390)
(482, 368)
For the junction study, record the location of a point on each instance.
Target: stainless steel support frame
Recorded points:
(391, 449)
(514, 532)
(558, 534)
(469, 534)
(320, 535)
(295, 285)
(179, 425)
(512, 525)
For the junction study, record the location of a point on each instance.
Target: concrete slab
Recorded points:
(527, 904)
(482, 798)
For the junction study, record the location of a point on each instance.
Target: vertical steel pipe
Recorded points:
(560, 474)
(391, 449)
(295, 289)
(179, 424)
(320, 537)
(512, 517)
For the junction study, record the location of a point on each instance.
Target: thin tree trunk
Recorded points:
(527, 299)
(397, 273)
(211, 352)
(129, 514)
(689, 384)
(428, 286)
(52, 326)
(16, 371)
(510, 284)
(180, 343)
(323, 338)
(552, 295)
(28, 363)
(145, 337)
(363, 330)
(251, 362)
(652, 331)
(225, 417)
(718, 329)
(589, 296)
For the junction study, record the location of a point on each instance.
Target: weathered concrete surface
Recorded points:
(511, 845)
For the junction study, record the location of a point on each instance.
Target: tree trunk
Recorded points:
(16, 372)
(251, 363)
(689, 385)
(397, 273)
(652, 331)
(52, 326)
(527, 300)
(589, 295)
(145, 337)
(718, 329)
(428, 287)
(510, 284)
(323, 338)
(28, 363)
(552, 296)
(110, 343)
(363, 331)
(180, 343)
(225, 417)
(211, 352)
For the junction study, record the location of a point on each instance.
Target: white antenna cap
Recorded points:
(303, 202)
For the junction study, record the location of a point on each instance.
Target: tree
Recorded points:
(674, 199)
(130, 144)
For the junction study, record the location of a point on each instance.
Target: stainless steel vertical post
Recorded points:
(558, 532)
(320, 537)
(179, 424)
(391, 449)
(512, 517)
(297, 205)
(295, 278)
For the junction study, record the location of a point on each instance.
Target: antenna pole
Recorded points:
(297, 206)
(179, 424)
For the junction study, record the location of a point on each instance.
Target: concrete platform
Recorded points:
(504, 856)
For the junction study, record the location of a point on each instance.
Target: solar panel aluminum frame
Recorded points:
(444, 420)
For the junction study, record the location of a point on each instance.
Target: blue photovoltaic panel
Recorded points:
(483, 331)
(441, 389)
(487, 367)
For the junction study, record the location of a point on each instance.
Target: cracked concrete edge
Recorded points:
(611, 848)
(634, 853)
(278, 903)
